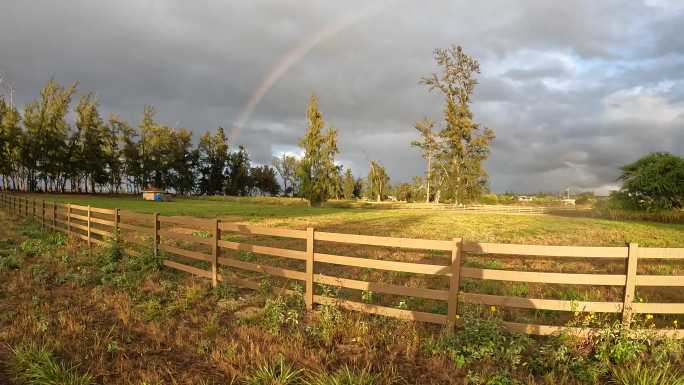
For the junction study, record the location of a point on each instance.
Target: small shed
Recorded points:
(154, 194)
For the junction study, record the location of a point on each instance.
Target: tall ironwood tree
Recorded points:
(465, 143)
(317, 171)
(430, 147)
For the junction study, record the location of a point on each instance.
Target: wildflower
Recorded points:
(675, 323)
(649, 316)
(492, 309)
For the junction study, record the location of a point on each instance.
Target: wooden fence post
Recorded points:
(308, 294)
(156, 234)
(630, 284)
(90, 245)
(116, 222)
(68, 219)
(454, 281)
(215, 253)
(54, 215)
(42, 214)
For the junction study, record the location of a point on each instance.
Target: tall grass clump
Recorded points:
(641, 374)
(33, 365)
(280, 373)
(343, 376)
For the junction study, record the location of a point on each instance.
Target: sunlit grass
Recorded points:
(413, 223)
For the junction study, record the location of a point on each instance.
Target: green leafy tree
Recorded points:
(654, 182)
(239, 181)
(465, 144)
(430, 147)
(213, 155)
(92, 158)
(264, 180)
(286, 166)
(317, 172)
(378, 181)
(348, 184)
(12, 138)
(46, 133)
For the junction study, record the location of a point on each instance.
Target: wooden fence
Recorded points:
(94, 225)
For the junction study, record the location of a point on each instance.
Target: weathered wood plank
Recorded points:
(529, 276)
(407, 243)
(261, 230)
(383, 265)
(277, 252)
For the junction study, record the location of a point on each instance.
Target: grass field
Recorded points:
(114, 318)
(414, 223)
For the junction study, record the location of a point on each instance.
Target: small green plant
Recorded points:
(283, 312)
(329, 323)
(280, 373)
(479, 340)
(33, 365)
(367, 296)
(343, 376)
(113, 249)
(32, 247)
(112, 347)
(619, 345)
(641, 374)
(10, 262)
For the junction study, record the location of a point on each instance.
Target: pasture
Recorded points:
(374, 219)
(188, 332)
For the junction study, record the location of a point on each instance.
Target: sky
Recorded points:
(573, 90)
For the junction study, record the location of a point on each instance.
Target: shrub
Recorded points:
(480, 340)
(618, 345)
(32, 365)
(283, 312)
(329, 323)
(10, 262)
(489, 199)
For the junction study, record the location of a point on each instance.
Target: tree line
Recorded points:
(42, 151)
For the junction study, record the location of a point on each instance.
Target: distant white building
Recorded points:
(525, 198)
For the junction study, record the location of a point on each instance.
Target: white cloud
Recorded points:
(642, 104)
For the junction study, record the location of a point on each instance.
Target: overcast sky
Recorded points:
(572, 89)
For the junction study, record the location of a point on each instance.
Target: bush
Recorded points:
(10, 262)
(489, 199)
(283, 312)
(480, 340)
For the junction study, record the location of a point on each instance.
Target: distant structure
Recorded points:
(568, 202)
(525, 198)
(155, 194)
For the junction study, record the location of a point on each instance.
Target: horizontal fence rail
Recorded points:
(96, 225)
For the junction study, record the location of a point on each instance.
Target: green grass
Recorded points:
(414, 223)
(33, 365)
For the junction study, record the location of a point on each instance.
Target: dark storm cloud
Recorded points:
(573, 90)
